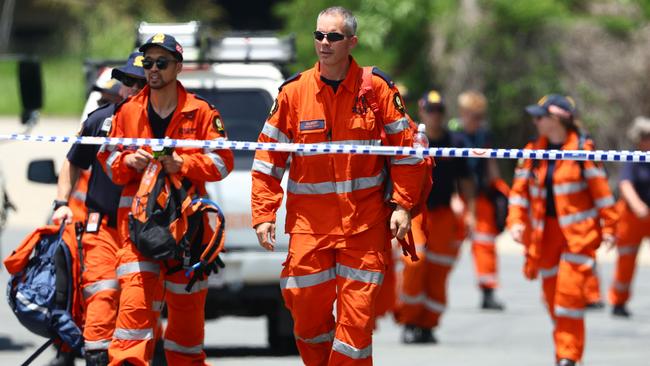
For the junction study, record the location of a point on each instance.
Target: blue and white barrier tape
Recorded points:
(578, 155)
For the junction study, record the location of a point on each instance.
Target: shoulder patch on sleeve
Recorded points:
(290, 79)
(384, 76)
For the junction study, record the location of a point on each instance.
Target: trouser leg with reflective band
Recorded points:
(386, 298)
(592, 287)
(483, 243)
(423, 296)
(576, 266)
(183, 339)
(552, 247)
(630, 232)
(323, 268)
(100, 286)
(133, 339)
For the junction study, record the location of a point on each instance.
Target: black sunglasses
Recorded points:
(161, 63)
(130, 82)
(331, 36)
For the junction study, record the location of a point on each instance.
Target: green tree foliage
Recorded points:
(106, 29)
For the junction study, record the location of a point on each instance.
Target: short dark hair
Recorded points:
(349, 20)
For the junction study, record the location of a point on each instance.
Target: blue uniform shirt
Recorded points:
(639, 175)
(103, 195)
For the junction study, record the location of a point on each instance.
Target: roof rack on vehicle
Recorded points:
(252, 47)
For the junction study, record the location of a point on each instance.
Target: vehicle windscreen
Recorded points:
(243, 112)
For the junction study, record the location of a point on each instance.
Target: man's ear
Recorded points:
(179, 67)
(354, 40)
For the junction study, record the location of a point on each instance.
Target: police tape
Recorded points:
(321, 148)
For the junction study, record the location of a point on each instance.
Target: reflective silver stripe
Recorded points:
(409, 160)
(422, 299)
(137, 267)
(125, 201)
(96, 345)
(179, 288)
(536, 192)
(487, 279)
(268, 169)
(594, 173)
(359, 274)
(81, 196)
(173, 346)
(484, 237)
(561, 311)
(350, 351)
(133, 334)
(307, 280)
(568, 188)
(621, 287)
(109, 162)
(321, 338)
(397, 126)
(578, 259)
(537, 224)
(157, 306)
(336, 187)
(518, 201)
(605, 202)
(522, 174)
(548, 272)
(567, 220)
(628, 250)
(274, 133)
(445, 260)
(340, 142)
(95, 287)
(218, 162)
(30, 305)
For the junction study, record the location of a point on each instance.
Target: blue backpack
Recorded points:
(41, 289)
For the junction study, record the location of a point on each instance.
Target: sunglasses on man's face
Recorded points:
(161, 63)
(130, 82)
(331, 36)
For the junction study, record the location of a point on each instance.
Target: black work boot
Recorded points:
(621, 311)
(490, 302)
(598, 305)
(566, 362)
(97, 358)
(416, 335)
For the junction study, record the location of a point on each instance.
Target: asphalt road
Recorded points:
(519, 336)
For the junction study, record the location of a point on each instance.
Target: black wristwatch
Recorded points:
(57, 203)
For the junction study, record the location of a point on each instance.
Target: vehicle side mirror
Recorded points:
(42, 171)
(31, 89)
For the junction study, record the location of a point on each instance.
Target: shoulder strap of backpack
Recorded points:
(367, 93)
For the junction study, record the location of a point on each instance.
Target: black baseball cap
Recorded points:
(552, 104)
(165, 41)
(432, 101)
(132, 68)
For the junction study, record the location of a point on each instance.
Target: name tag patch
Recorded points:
(312, 125)
(92, 225)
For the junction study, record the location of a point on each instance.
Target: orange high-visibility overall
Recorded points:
(336, 214)
(562, 248)
(141, 277)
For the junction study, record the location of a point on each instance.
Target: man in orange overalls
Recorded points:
(339, 223)
(472, 107)
(100, 239)
(162, 109)
(438, 232)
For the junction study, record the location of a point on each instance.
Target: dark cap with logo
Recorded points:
(111, 86)
(132, 68)
(552, 104)
(164, 41)
(432, 101)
